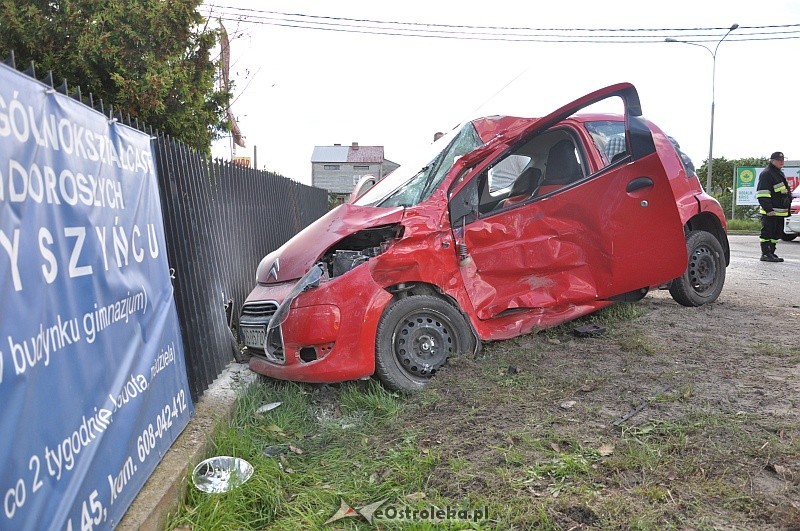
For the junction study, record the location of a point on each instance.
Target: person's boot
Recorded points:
(772, 248)
(766, 253)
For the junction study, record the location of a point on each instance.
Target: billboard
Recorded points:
(92, 371)
(241, 161)
(747, 180)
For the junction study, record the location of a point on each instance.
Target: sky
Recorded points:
(296, 88)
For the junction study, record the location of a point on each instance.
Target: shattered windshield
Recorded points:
(412, 183)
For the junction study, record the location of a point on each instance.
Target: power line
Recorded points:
(496, 33)
(513, 38)
(521, 28)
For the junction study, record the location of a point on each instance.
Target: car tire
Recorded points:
(416, 335)
(788, 237)
(704, 277)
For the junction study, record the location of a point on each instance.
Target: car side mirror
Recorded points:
(364, 183)
(464, 205)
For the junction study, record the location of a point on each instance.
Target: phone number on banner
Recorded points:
(92, 510)
(147, 440)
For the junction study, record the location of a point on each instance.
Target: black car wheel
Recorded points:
(704, 277)
(416, 335)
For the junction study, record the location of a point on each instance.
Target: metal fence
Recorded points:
(220, 220)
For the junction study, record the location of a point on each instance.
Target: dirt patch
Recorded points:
(676, 417)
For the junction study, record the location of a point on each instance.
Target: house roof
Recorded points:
(352, 153)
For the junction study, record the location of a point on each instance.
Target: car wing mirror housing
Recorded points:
(464, 205)
(364, 183)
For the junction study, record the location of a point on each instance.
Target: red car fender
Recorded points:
(706, 203)
(426, 254)
(352, 306)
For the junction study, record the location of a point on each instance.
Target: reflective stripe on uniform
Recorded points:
(763, 193)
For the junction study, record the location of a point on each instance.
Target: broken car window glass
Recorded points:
(404, 189)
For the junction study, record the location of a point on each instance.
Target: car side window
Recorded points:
(562, 167)
(609, 140)
(539, 165)
(503, 174)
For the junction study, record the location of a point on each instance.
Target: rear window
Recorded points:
(688, 165)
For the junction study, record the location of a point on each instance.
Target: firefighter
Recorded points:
(775, 198)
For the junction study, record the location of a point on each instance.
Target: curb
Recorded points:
(162, 493)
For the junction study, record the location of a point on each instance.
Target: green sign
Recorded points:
(747, 180)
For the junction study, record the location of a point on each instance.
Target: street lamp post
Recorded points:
(713, 82)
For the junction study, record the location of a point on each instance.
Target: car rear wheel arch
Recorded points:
(708, 222)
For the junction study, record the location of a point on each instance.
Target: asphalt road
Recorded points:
(748, 275)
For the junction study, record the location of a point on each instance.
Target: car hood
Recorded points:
(295, 257)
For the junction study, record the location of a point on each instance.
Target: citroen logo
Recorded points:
(273, 270)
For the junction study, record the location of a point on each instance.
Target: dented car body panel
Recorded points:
(510, 225)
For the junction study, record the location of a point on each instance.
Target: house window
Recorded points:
(357, 167)
(331, 166)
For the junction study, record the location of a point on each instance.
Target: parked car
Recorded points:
(791, 225)
(507, 226)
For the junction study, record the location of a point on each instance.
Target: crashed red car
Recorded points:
(510, 225)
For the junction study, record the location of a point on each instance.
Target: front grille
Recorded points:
(255, 317)
(259, 309)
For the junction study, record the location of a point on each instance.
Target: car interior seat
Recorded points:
(525, 186)
(615, 148)
(562, 167)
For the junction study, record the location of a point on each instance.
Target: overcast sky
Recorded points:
(296, 88)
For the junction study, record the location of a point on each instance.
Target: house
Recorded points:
(338, 168)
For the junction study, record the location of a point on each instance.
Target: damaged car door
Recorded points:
(565, 235)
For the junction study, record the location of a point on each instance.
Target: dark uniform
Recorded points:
(774, 196)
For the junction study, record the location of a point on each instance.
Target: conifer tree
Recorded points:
(148, 58)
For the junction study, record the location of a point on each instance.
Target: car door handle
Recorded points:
(638, 183)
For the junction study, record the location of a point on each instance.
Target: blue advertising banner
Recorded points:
(92, 372)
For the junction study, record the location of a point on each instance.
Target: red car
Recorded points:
(508, 226)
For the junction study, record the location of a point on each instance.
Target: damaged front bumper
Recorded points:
(315, 330)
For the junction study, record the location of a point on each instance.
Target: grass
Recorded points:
(356, 443)
(490, 438)
(744, 225)
(561, 468)
(791, 353)
(328, 455)
(608, 316)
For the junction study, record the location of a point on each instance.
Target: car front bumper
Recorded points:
(328, 334)
(791, 225)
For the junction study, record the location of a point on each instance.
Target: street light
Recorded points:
(713, 81)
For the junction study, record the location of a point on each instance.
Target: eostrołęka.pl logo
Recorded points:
(376, 511)
(367, 511)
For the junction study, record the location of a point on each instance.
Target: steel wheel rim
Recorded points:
(702, 269)
(422, 342)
